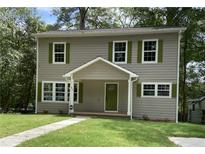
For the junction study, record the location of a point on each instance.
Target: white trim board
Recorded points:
(113, 51)
(53, 92)
(53, 54)
(156, 56)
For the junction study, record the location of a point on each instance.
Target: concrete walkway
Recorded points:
(188, 141)
(14, 140)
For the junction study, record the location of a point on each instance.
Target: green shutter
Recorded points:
(129, 52)
(138, 90)
(110, 48)
(160, 51)
(174, 90)
(67, 53)
(50, 53)
(139, 52)
(80, 92)
(39, 91)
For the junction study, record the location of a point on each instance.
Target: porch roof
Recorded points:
(96, 60)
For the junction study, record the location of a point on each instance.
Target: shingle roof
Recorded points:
(110, 32)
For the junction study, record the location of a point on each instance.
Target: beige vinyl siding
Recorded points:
(88, 48)
(154, 108)
(101, 71)
(52, 107)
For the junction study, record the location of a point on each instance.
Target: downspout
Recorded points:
(36, 101)
(178, 65)
(132, 81)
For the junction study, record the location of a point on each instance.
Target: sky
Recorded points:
(46, 14)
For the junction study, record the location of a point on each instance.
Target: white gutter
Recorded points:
(108, 32)
(36, 101)
(178, 68)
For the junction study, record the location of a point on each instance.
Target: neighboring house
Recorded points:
(123, 72)
(197, 110)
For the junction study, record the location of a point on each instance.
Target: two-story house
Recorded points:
(124, 72)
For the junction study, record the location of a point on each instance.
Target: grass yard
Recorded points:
(15, 123)
(99, 132)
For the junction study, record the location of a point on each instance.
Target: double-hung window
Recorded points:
(76, 87)
(59, 49)
(163, 89)
(58, 92)
(149, 90)
(150, 51)
(156, 90)
(120, 52)
(48, 91)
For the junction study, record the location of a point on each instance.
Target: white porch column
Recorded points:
(71, 101)
(129, 96)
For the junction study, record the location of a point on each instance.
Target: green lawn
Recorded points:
(97, 132)
(15, 123)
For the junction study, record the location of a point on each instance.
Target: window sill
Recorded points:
(59, 63)
(119, 62)
(57, 102)
(149, 62)
(156, 97)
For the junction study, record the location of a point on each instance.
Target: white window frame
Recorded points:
(113, 52)
(54, 92)
(54, 43)
(156, 89)
(156, 58)
(76, 102)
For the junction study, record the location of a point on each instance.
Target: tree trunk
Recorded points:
(83, 11)
(184, 104)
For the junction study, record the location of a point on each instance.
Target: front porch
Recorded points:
(110, 114)
(106, 89)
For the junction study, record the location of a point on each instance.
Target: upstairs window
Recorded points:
(59, 52)
(149, 54)
(120, 52)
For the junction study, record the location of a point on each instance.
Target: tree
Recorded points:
(71, 17)
(18, 57)
(85, 18)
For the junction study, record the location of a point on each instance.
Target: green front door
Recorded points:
(111, 97)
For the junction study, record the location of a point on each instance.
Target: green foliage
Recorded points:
(18, 57)
(84, 18)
